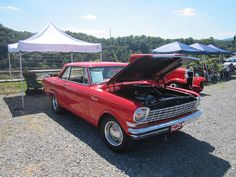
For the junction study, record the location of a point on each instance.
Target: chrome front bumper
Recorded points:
(139, 133)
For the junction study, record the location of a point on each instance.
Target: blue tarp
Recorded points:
(176, 47)
(204, 48)
(223, 51)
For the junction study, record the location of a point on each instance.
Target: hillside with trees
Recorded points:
(114, 49)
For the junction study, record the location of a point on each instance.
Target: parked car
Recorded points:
(230, 61)
(185, 78)
(123, 100)
(181, 78)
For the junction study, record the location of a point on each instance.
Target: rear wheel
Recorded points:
(55, 106)
(114, 136)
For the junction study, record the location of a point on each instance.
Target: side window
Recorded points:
(79, 74)
(66, 73)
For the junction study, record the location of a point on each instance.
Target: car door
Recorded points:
(60, 87)
(76, 91)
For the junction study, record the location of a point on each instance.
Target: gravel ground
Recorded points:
(36, 142)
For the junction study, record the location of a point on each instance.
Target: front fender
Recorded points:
(107, 103)
(198, 80)
(176, 80)
(122, 120)
(198, 83)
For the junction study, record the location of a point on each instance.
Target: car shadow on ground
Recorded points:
(181, 155)
(33, 104)
(204, 94)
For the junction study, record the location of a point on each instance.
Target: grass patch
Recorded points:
(11, 87)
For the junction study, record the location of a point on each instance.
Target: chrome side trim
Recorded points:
(152, 130)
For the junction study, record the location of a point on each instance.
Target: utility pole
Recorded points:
(110, 32)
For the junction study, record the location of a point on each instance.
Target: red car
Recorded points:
(180, 78)
(185, 78)
(125, 101)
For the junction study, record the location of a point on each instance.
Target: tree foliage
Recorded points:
(114, 49)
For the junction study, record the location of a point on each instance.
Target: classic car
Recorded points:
(181, 78)
(185, 78)
(124, 100)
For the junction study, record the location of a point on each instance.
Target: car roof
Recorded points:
(95, 64)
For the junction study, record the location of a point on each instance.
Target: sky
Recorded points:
(159, 18)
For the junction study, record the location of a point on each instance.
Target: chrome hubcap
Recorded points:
(113, 133)
(174, 85)
(54, 103)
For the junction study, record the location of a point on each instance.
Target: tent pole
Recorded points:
(101, 56)
(21, 80)
(71, 57)
(9, 62)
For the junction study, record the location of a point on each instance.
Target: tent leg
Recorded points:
(9, 62)
(101, 56)
(71, 57)
(21, 80)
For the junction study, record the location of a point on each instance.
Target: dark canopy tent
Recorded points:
(204, 49)
(176, 47)
(222, 51)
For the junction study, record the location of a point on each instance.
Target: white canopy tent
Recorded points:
(13, 48)
(51, 39)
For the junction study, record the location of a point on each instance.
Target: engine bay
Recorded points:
(154, 97)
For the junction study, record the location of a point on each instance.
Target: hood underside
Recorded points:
(149, 67)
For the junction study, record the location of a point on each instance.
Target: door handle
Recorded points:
(94, 98)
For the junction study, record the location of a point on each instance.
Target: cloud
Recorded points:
(186, 12)
(89, 17)
(9, 8)
(225, 34)
(93, 32)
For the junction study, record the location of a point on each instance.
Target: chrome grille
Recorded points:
(165, 113)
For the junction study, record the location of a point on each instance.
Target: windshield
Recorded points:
(104, 73)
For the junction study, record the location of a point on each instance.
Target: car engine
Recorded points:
(146, 99)
(155, 97)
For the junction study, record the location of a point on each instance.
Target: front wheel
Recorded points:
(114, 136)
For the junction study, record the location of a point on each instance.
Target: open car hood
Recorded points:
(149, 67)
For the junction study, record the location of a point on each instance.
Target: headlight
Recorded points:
(198, 102)
(186, 75)
(141, 114)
